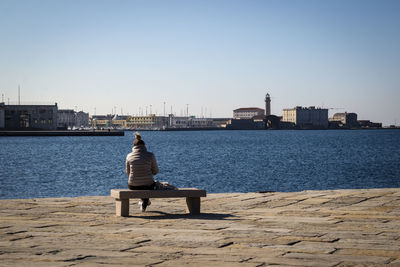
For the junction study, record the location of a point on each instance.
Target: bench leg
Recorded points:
(193, 205)
(122, 207)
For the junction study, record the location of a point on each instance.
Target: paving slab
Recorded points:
(309, 228)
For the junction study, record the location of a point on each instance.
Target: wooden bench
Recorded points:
(122, 197)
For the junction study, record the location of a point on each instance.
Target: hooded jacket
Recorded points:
(141, 165)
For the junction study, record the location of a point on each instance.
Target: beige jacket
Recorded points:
(141, 165)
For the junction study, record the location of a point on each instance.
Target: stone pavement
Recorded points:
(310, 228)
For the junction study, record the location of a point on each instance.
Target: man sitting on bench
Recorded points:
(141, 165)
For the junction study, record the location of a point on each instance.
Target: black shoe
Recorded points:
(144, 204)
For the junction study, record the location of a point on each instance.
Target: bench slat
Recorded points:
(182, 192)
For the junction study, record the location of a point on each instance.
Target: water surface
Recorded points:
(218, 161)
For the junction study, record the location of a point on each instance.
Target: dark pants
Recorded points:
(143, 187)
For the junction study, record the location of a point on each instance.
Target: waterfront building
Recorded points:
(147, 122)
(258, 118)
(107, 121)
(30, 117)
(200, 122)
(219, 122)
(286, 125)
(255, 123)
(65, 118)
(101, 121)
(245, 124)
(347, 120)
(2, 116)
(81, 119)
(119, 121)
(68, 118)
(303, 117)
(189, 122)
(369, 124)
(247, 113)
(178, 121)
(240, 124)
(267, 105)
(259, 121)
(272, 122)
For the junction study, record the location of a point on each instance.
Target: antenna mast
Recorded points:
(164, 108)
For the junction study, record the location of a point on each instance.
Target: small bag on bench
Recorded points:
(164, 186)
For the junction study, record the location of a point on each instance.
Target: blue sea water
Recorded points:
(218, 161)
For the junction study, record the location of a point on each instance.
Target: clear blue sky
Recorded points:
(215, 55)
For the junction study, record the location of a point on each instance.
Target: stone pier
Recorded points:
(309, 228)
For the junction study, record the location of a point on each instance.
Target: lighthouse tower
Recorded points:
(267, 105)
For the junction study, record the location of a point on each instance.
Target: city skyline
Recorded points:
(210, 57)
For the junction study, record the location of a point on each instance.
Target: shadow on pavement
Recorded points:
(201, 216)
